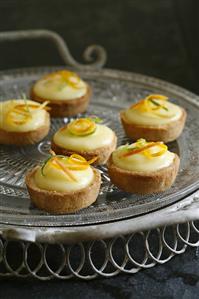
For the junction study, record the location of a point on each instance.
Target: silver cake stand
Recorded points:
(121, 232)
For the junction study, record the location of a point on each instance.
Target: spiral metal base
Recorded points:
(88, 260)
(106, 258)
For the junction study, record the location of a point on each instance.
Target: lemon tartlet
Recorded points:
(143, 167)
(63, 184)
(154, 118)
(66, 92)
(23, 122)
(87, 138)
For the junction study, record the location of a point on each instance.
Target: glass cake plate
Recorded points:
(112, 91)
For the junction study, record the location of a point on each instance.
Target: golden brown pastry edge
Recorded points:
(62, 202)
(61, 108)
(166, 133)
(144, 182)
(25, 138)
(103, 153)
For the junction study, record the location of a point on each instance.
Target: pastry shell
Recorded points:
(25, 138)
(144, 182)
(63, 108)
(62, 202)
(166, 133)
(102, 153)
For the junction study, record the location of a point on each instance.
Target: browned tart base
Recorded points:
(25, 138)
(144, 182)
(62, 202)
(61, 108)
(165, 133)
(102, 153)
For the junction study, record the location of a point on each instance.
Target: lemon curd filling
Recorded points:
(143, 156)
(83, 134)
(21, 115)
(62, 174)
(60, 85)
(154, 110)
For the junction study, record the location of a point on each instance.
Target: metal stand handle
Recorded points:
(92, 51)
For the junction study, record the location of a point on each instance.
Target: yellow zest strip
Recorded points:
(151, 99)
(68, 77)
(79, 160)
(138, 104)
(91, 161)
(139, 150)
(157, 154)
(65, 169)
(149, 104)
(82, 126)
(76, 162)
(144, 150)
(11, 117)
(21, 109)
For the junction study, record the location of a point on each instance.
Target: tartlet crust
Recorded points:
(62, 108)
(62, 202)
(166, 133)
(144, 182)
(25, 138)
(102, 153)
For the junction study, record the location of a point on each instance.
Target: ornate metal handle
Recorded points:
(94, 55)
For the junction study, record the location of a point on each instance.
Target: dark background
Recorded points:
(154, 37)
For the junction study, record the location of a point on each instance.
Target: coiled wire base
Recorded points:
(123, 254)
(88, 260)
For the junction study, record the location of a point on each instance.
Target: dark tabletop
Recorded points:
(156, 37)
(177, 279)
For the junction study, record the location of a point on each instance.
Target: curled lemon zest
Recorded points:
(143, 147)
(73, 163)
(78, 160)
(53, 160)
(82, 126)
(21, 114)
(149, 104)
(64, 169)
(17, 116)
(162, 149)
(67, 77)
